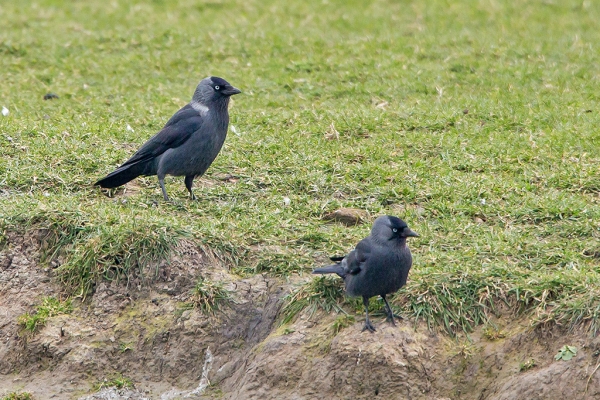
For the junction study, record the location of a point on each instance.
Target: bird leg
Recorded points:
(389, 312)
(368, 326)
(189, 180)
(161, 181)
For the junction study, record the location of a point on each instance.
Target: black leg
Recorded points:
(368, 326)
(389, 312)
(189, 180)
(161, 181)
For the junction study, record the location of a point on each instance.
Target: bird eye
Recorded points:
(217, 87)
(394, 230)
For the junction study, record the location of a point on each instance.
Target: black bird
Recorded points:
(378, 265)
(187, 145)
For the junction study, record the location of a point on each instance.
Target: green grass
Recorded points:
(49, 307)
(118, 381)
(323, 293)
(210, 296)
(475, 121)
(18, 396)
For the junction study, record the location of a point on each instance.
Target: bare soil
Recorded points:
(139, 329)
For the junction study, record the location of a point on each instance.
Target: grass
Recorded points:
(476, 122)
(210, 296)
(49, 307)
(320, 293)
(527, 365)
(18, 396)
(118, 381)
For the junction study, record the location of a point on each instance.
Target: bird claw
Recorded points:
(368, 327)
(393, 317)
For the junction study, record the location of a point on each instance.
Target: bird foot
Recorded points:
(394, 316)
(368, 327)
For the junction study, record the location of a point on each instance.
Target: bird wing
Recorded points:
(176, 132)
(355, 260)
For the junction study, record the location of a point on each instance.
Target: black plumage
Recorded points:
(378, 266)
(189, 142)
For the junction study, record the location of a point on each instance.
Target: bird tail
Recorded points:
(124, 174)
(331, 269)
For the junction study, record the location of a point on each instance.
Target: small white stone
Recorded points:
(482, 201)
(286, 201)
(129, 128)
(4, 111)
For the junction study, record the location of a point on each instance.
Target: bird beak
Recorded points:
(412, 234)
(230, 91)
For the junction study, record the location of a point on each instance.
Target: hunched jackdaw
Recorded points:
(378, 265)
(189, 142)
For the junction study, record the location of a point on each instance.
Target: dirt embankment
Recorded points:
(139, 329)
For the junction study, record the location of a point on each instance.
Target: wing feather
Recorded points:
(175, 133)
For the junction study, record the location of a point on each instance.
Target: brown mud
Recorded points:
(137, 328)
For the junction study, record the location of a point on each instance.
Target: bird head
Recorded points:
(388, 227)
(213, 89)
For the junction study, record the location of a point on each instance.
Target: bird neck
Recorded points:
(200, 107)
(400, 242)
(219, 113)
(221, 105)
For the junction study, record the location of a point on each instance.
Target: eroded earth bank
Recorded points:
(137, 328)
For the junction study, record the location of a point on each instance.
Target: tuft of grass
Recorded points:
(49, 307)
(210, 296)
(288, 331)
(183, 307)
(18, 396)
(324, 293)
(492, 333)
(125, 346)
(527, 365)
(341, 322)
(454, 302)
(118, 381)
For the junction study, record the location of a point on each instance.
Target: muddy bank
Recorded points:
(140, 329)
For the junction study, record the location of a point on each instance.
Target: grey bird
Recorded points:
(187, 145)
(378, 265)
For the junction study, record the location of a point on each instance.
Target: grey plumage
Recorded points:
(189, 142)
(378, 265)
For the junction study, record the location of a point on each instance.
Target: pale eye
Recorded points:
(217, 87)
(394, 230)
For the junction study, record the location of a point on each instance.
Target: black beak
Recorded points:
(410, 233)
(230, 91)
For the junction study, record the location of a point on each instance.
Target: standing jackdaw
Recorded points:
(378, 265)
(187, 145)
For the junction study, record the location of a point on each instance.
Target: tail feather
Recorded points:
(123, 174)
(331, 269)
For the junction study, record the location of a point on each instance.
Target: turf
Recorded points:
(475, 121)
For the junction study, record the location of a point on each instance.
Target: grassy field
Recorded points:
(474, 121)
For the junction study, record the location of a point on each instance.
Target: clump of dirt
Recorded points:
(144, 330)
